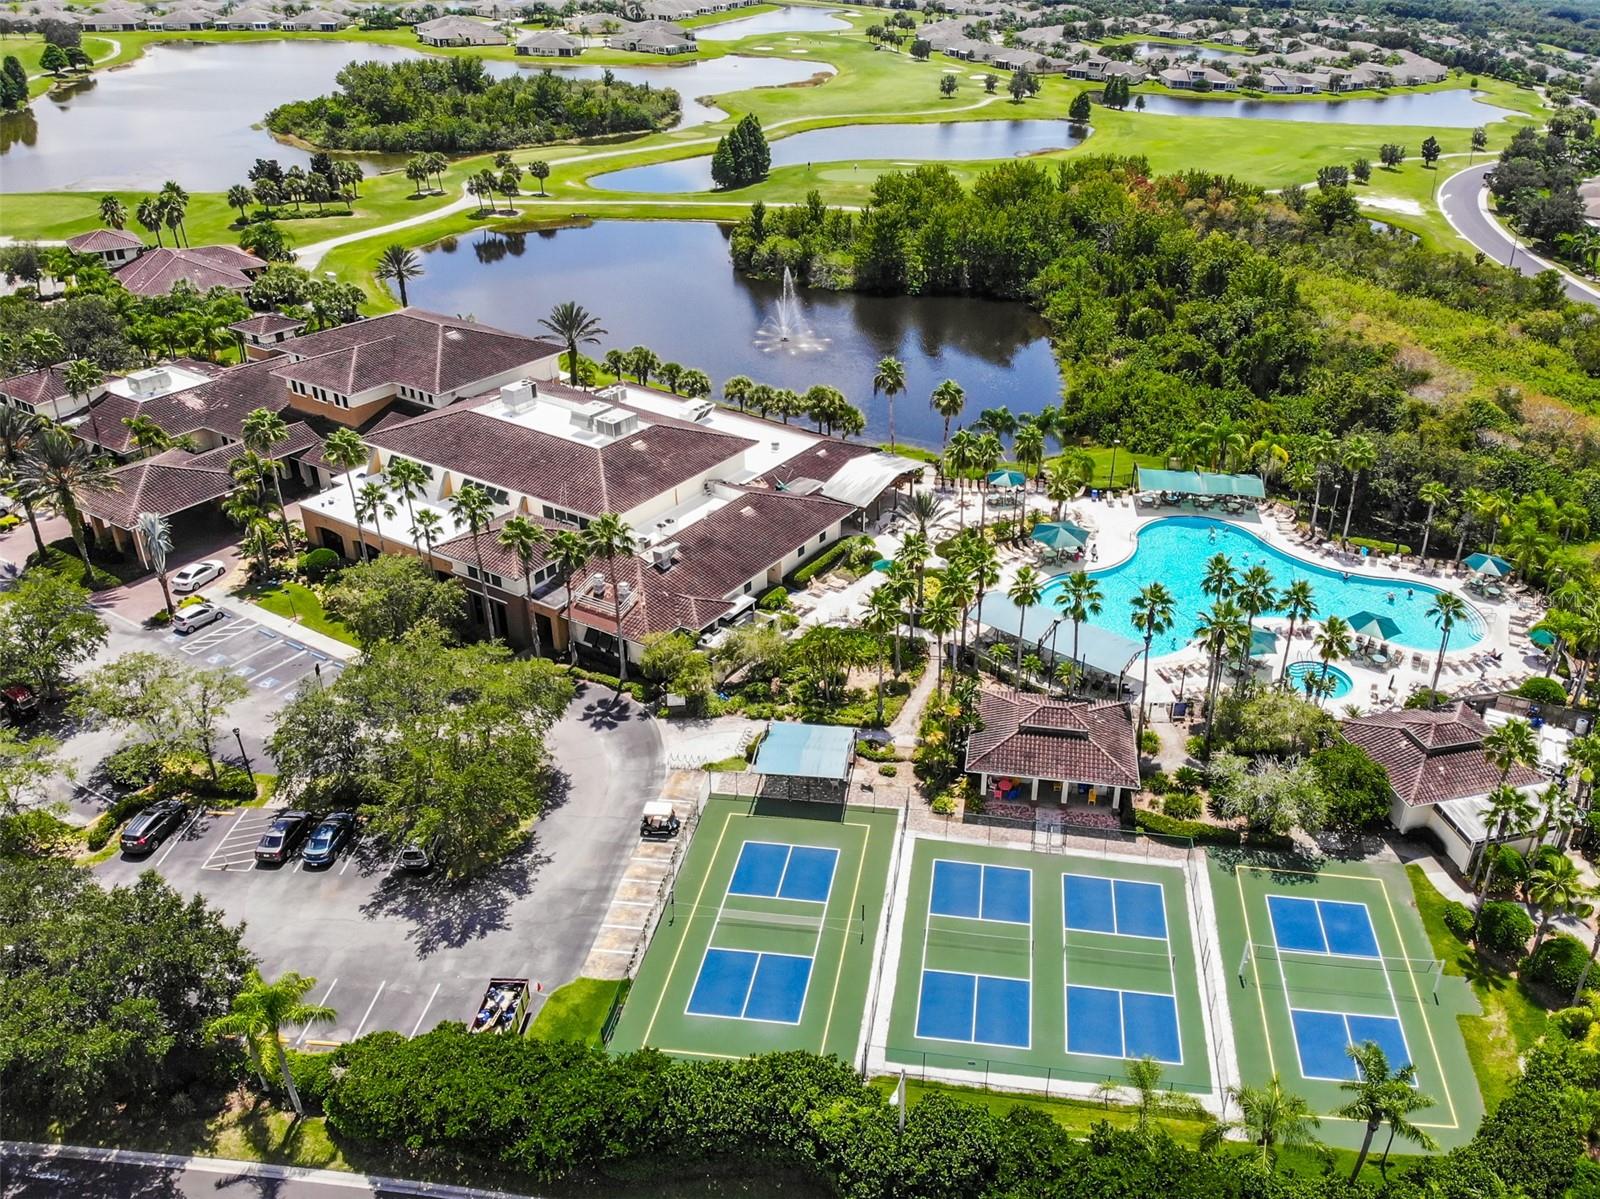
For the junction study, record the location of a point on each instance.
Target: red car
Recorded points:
(18, 702)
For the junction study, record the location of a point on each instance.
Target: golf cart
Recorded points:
(504, 1007)
(659, 820)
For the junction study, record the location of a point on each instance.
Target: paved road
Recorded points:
(394, 952)
(1463, 199)
(66, 1172)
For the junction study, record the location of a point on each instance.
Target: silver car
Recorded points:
(196, 616)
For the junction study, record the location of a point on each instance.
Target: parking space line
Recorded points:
(300, 1040)
(271, 645)
(206, 865)
(172, 842)
(350, 854)
(422, 1015)
(368, 1013)
(632, 928)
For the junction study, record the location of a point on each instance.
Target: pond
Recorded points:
(670, 285)
(788, 19)
(1179, 50)
(138, 126)
(949, 141)
(695, 80)
(1453, 109)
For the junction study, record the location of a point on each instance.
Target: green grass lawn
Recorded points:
(577, 1011)
(1511, 1021)
(61, 558)
(298, 603)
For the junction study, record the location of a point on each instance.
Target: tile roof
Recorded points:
(591, 480)
(1433, 756)
(37, 387)
(98, 241)
(155, 272)
(169, 483)
(430, 352)
(1032, 737)
(267, 322)
(820, 462)
(219, 405)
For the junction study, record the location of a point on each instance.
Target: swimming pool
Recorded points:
(1174, 551)
(1297, 672)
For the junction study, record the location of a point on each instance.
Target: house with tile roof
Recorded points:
(263, 335)
(549, 43)
(156, 272)
(459, 31)
(43, 392)
(1079, 756)
(113, 247)
(1439, 776)
(724, 506)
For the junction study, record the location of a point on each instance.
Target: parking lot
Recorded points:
(399, 952)
(270, 662)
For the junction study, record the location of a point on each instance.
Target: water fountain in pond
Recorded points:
(787, 329)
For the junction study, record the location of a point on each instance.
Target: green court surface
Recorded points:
(991, 979)
(1323, 956)
(767, 942)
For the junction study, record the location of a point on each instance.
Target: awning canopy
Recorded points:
(1196, 482)
(806, 751)
(1100, 649)
(862, 480)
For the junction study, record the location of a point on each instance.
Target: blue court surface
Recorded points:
(1127, 1024)
(1103, 905)
(772, 870)
(966, 889)
(1322, 926)
(1323, 1037)
(741, 985)
(976, 1008)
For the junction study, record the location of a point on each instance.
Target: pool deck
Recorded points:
(1116, 523)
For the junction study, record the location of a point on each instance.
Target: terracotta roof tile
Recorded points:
(1433, 756)
(155, 272)
(1032, 737)
(98, 241)
(167, 484)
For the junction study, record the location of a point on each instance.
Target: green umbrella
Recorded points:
(1375, 624)
(1061, 536)
(1006, 478)
(1542, 637)
(1488, 564)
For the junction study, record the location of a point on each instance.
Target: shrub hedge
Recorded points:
(1557, 964)
(825, 561)
(1459, 919)
(1542, 690)
(1503, 928)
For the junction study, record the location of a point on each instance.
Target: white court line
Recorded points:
(368, 1013)
(424, 1013)
(300, 1040)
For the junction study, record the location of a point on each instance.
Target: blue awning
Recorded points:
(806, 751)
(1197, 482)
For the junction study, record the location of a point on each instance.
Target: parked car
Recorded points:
(331, 835)
(196, 616)
(419, 857)
(198, 574)
(18, 702)
(283, 837)
(153, 826)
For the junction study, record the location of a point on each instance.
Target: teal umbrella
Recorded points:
(883, 564)
(1263, 641)
(1006, 478)
(1542, 637)
(1063, 535)
(1488, 564)
(1375, 624)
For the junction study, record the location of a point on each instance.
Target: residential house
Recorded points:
(547, 43)
(43, 392)
(261, 336)
(317, 20)
(653, 37)
(113, 247)
(256, 20)
(156, 272)
(181, 19)
(459, 31)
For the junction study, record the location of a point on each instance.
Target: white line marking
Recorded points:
(172, 842)
(423, 1014)
(300, 1040)
(368, 1013)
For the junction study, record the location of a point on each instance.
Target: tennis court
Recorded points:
(1045, 968)
(1330, 958)
(767, 938)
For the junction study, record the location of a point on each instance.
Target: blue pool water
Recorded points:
(1174, 551)
(1341, 682)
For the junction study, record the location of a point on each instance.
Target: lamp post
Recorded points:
(239, 737)
(1337, 488)
(1115, 445)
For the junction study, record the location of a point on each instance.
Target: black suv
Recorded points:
(283, 836)
(152, 826)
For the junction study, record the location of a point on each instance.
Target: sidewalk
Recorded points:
(310, 638)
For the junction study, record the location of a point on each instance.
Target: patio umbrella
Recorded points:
(1263, 641)
(883, 564)
(1374, 624)
(1063, 535)
(1488, 564)
(1006, 478)
(1542, 637)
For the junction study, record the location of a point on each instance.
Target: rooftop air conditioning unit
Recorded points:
(662, 556)
(615, 423)
(519, 396)
(596, 584)
(148, 384)
(702, 411)
(624, 590)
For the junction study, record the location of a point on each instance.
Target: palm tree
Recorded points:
(58, 469)
(471, 506)
(1066, 479)
(986, 455)
(1510, 811)
(1335, 640)
(570, 551)
(18, 429)
(1272, 1117)
(1079, 599)
(890, 379)
(1357, 454)
(155, 536)
(611, 538)
(925, 509)
(959, 456)
(980, 563)
(373, 501)
(400, 264)
(1433, 493)
(883, 622)
(148, 214)
(426, 527)
(81, 378)
(940, 615)
(735, 391)
(1555, 889)
(260, 431)
(522, 537)
(260, 1012)
(897, 588)
(1150, 1098)
(1153, 610)
(913, 554)
(1027, 587)
(1445, 610)
(1379, 1096)
(1219, 579)
(1299, 603)
(1219, 632)
(408, 480)
(1490, 510)
(571, 322)
(113, 212)
(1257, 596)
(1028, 446)
(947, 400)
(1269, 454)
(345, 449)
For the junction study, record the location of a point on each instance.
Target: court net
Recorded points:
(1311, 972)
